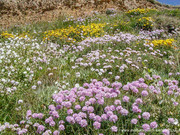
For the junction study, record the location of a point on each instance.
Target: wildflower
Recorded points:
(28, 114)
(125, 87)
(166, 132)
(113, 118)
(61, 127)
(175, 103)
(117, 77)
(170, 120)
(146, 127)
(40, 129)
(97, 118)
(153, 125)
(97, 125)
(125, 99)
(144, 93)
(139, 101)
(56, 132)
(77, 107)
(34, 87)
(104, 117)
(20, 101)
(114, 129)
(70, 119)
(146, 115)
(39, 82)
(124, 112)
(134, 121)
(92, 115)
(135, 109)
(52, 123)
(141, 133)
(83, 123)
(117, 102)
(69, 111)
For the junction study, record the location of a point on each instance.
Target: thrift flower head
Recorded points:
(97, 125)
(61, 127)
(134, 121)
(114, 129)
(166, 132)
(125, 99)
(146, 115)
(146, 127)
(153, 125)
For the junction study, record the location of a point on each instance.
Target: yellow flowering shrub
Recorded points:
(7, 35)
(76, 33)
(145, 23)
(163, 43)
(24, 35)
(139, 11)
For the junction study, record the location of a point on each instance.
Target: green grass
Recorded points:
(64, 77)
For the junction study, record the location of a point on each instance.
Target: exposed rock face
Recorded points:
(27, 11)
(18, 7)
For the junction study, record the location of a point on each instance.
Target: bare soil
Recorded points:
(17, 12)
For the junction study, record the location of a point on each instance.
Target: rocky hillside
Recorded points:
(26, 11)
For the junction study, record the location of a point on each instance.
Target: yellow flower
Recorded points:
(159, 43)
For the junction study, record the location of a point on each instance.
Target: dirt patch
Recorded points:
(16, 12)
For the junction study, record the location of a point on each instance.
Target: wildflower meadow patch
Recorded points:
(113, 74)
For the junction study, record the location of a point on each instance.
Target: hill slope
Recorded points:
(27, 11)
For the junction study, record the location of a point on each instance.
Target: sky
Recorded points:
(171, 2)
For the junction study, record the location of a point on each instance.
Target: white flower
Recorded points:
(20, 101)
(34, 87)
(77, 85)
(176, 121)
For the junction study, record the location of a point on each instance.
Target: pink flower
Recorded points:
(139, 101)
(117, 102)
(141, 133)
(56, 132)
(92, 100)
(78, 119)
(61, 127)
(28, 114)
(124, 112)
(144, 93)
(113, 118)
(146, 127)
(83, 123)
(171, 120)
(104, 117)
(114, 129)
(52, 107)
(125, 99)
(146, 115)
(97, 118)
(134, 121)
(100, 101)
(91, 116)
(84, 108)
(90, 109)
(77, 107)
(69, 111)
(125, 87)
(70, 119)
(166, 132)
(135, 109)
(97, 125)
(40, 129)
(153, 125)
